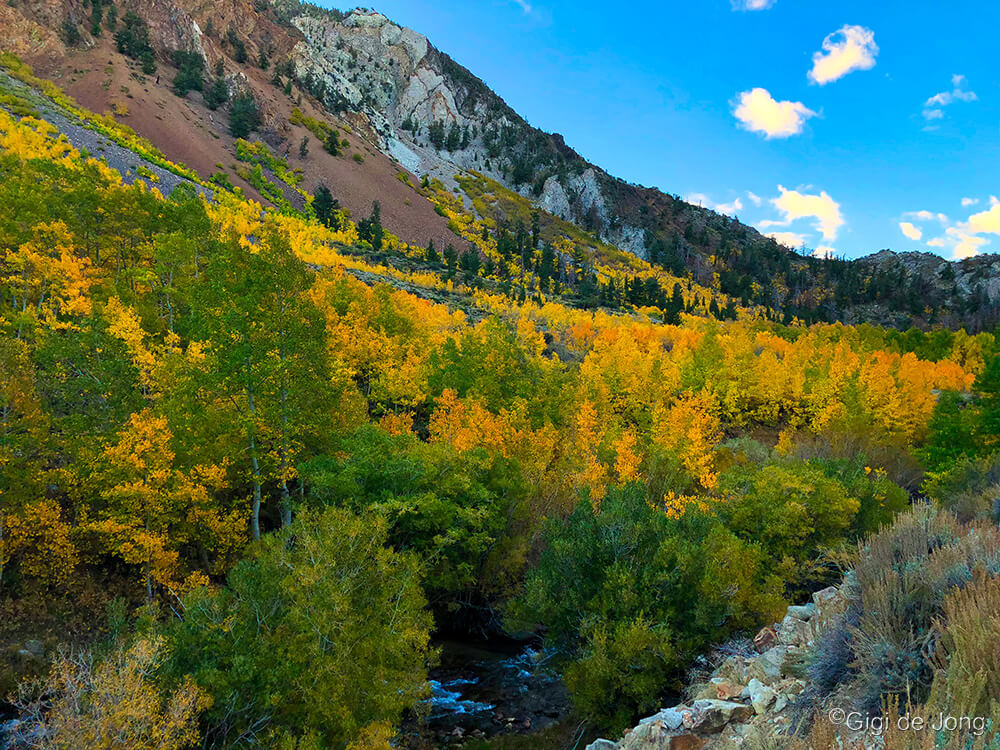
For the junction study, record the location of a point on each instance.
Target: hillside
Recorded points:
(405, 107)
(276, 475)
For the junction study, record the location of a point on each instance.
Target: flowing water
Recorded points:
(485, 689)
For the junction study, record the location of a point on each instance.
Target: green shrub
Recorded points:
(791, 509)
(970, 488)
(623, 669)
(216, 94)
(322, 630)
(880, 499)
(898, 589)
(132, 40)
(631, 596)
(190, 72)
(457, 512)
(243, 117)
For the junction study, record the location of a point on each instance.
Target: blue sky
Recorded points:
(846, 126)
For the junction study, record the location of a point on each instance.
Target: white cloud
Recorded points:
(934, 106)
(964, 245)
(986, 222)
(753, 4)
(961, 239)
(758, 112)
(524, 5)
(788, 239)
(700, 199)
(844, 51)
(795, 205)
(730, 209)
(926, 216)
(910, 231)
(754, 198)
(824, 251)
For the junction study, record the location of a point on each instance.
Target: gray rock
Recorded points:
(35, 647)
(761, 696)
(794, 632)
(802, 612)
(655, 736)
(713, 715)
(768, 666)
(671, 718)
(602, 744)
(826, 595)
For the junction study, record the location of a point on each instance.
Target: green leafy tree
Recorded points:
(238, 46)
(633, 595)
(790, 510)
(460, 513)
(370, 230)
(432, 254)
(331, 143)
(952, 432)
(987, 386)
(133, 40)
(322, 630)
(269, 360)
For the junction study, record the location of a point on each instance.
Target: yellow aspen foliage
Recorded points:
(397, 424)
(627, 458)
(124, 324)
(675, 505)
(785, 442)
(114, 704)
(47, 279)
(465, 424)
(591, 475)
(689, 429)
(149, 509)
(375, 736)
(40, 540)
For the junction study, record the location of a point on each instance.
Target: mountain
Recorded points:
(408, 113)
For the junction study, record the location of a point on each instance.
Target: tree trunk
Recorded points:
(255, 463)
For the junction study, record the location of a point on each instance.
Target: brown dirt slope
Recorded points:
(103, 80)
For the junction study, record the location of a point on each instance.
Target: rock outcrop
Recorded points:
(746, 693)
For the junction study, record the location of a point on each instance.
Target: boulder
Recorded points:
(687, 742)
(711, 716)
(794, 632)
(820, 598)
(602, 744)
(725, 689)
(655, 736)
(768, 666)
(761, 696)
(802, 612)
(765, 639)
(671, 718)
